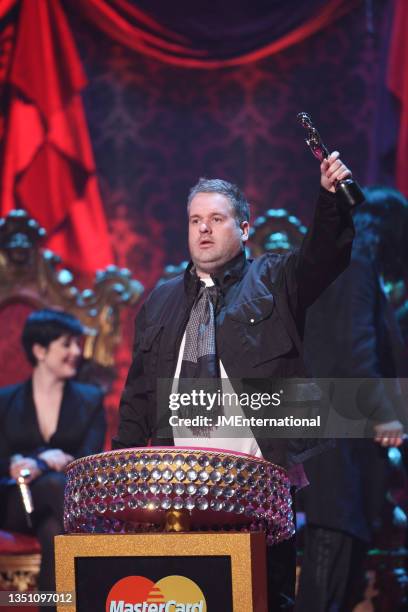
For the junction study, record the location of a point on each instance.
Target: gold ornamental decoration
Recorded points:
(35, 276)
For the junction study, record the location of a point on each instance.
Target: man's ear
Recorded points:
(39, 351)
(244, 227)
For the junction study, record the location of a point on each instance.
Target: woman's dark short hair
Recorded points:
(44, 326)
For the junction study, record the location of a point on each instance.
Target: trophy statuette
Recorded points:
(349, 190)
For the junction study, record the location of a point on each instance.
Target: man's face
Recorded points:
(214, 236)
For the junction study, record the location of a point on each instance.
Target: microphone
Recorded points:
(26, 494)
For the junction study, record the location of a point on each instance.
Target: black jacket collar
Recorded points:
(225, 276)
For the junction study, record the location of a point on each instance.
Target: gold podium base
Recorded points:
(246, 551)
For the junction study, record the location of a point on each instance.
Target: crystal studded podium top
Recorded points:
(143, 489)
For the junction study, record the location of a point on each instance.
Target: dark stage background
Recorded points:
(156, 128)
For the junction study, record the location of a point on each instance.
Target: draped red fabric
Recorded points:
(129, 11)
(48, 163)
(6, 6)
(48, 166)
(107, 18)
(114, 19)
(398, 84)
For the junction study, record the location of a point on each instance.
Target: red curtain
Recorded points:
(117, 19)
(6, 6)
(398, 84)
(48, 165)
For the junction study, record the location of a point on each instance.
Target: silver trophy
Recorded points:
(349, 190)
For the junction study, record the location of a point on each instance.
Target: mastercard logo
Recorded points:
(170, 594)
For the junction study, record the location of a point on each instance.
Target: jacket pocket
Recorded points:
(149, 346)
(260, 331)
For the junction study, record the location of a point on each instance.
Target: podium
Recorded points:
(163, 572)
(171, 529)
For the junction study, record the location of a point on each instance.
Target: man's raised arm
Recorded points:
(326, 248)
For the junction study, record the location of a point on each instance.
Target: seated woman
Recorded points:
(45, 423)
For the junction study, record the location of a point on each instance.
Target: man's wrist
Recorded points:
(327, 193)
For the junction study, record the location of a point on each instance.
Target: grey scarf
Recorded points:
(200, 356)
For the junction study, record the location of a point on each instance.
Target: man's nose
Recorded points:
(204, 227)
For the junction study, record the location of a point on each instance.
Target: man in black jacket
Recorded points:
(351, 332)
(254, 314)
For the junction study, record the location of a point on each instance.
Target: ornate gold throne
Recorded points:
(33, 278)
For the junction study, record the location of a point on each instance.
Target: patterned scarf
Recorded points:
(200, 356)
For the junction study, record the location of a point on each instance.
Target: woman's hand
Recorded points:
(24, 463)
(56, 459)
